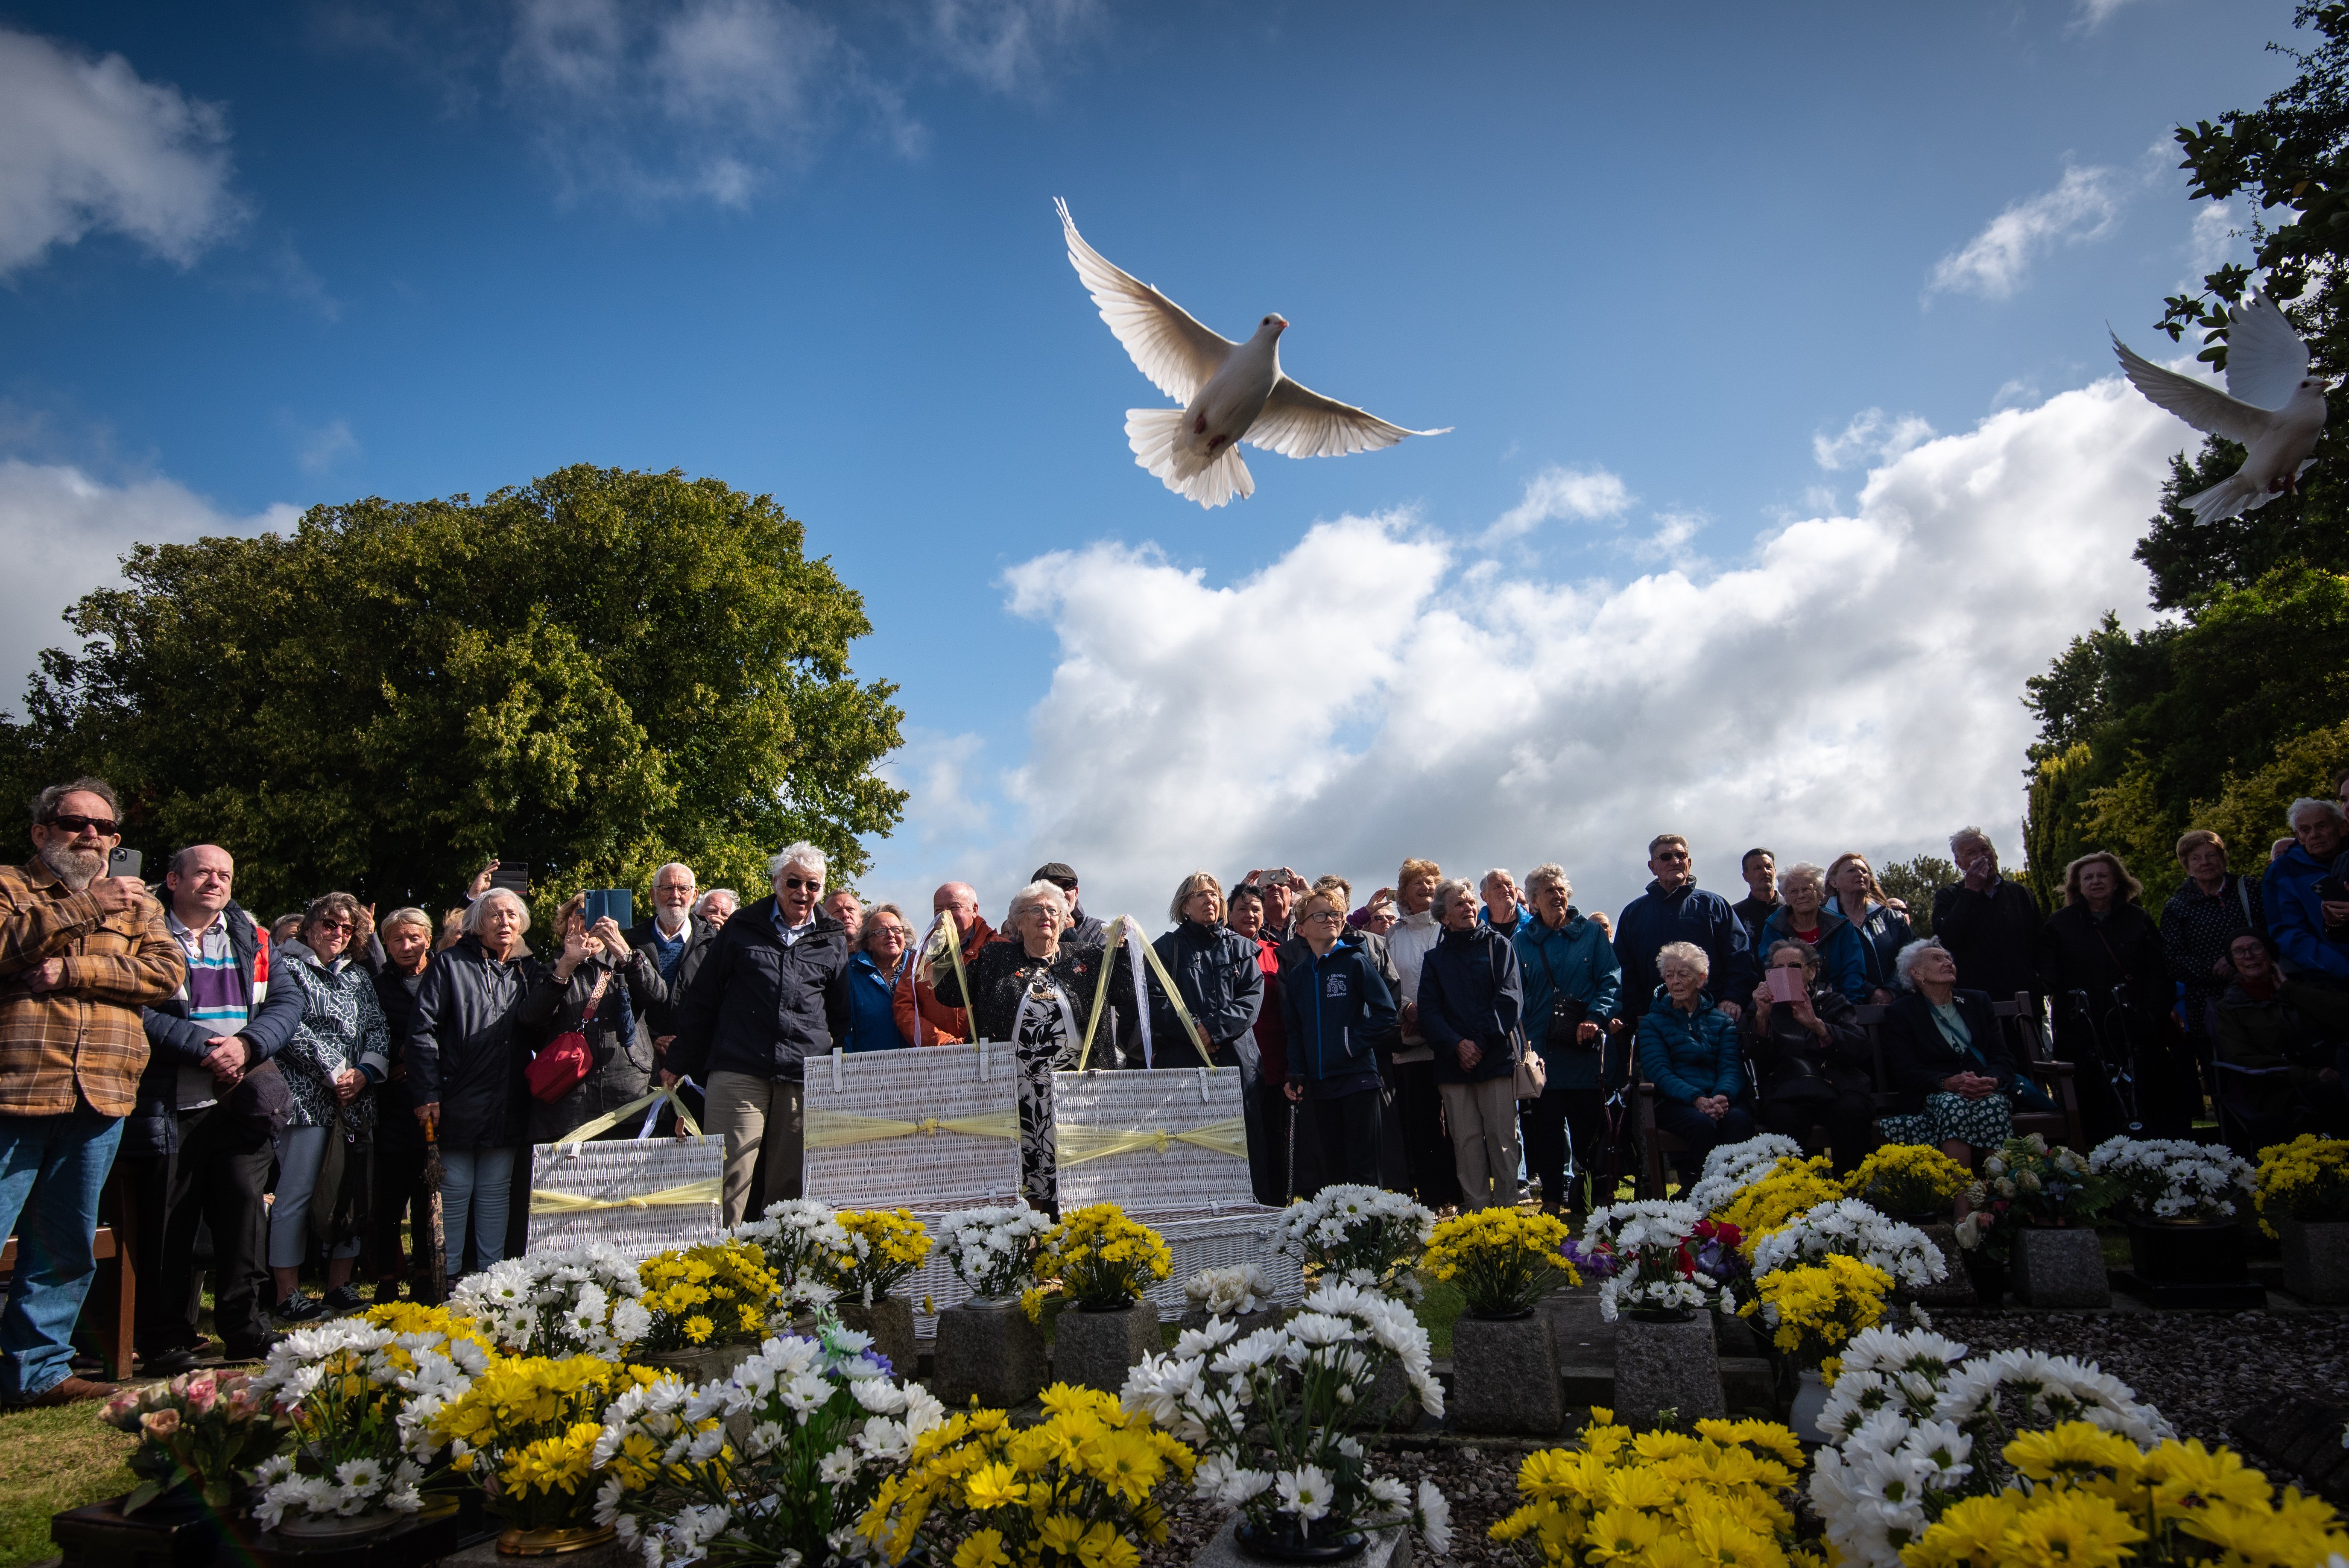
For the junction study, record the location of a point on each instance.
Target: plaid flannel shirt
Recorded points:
(85, 1038)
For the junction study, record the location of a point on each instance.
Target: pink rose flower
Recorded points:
(161, 1423)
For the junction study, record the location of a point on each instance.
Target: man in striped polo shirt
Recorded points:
(189, 1157)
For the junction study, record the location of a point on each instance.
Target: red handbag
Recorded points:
(565, 1062)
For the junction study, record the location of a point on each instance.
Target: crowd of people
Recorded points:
(270, 1099)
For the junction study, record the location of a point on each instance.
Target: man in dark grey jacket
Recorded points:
(772, 994)
(675, 944)
(188, 1158)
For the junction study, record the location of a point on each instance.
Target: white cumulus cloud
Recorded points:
(63, 533)
(1561, 492)
(86, 146)
(1382, 689)
(1994, 262)
(1872, 436)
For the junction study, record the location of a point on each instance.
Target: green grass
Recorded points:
(55, 1459)
(1437, 1308)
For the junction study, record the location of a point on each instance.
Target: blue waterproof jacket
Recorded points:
(872, 1018)
(1576, 961)
(1336, 1012)
(1686, 914)
(1843, 957)
(2295, 920)
(1690, 1055)
(1883, 932)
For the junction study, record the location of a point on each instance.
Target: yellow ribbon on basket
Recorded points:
(1110, 951)
(587, 1130)
(833, 1129)
(706, 1191)
(1079, 1144)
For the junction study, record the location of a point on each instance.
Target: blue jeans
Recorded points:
(51, 1170)
(475, 1183)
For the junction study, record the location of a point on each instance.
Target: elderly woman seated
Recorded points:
(1688, 1049)
(1035, 992)
(1812, 1057)
(1949, 1061)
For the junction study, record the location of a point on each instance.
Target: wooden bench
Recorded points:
(2059, 1126)
(111, 1244)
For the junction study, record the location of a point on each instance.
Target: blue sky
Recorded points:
(1717, 301)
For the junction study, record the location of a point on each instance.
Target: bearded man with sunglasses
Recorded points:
(82, 953)
(773, 994)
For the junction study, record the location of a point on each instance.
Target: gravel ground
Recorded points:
(2201, 1371)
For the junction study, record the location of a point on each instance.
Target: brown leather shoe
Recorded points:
(72, 1391)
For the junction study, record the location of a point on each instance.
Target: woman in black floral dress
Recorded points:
(1035, 992)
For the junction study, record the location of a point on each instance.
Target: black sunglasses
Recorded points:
(815, 883)
(73, 822)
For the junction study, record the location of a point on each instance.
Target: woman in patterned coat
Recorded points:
(340, 1051)
(1037, 993)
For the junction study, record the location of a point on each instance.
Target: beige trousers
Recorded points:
(1482, 1121)
(756, 1115)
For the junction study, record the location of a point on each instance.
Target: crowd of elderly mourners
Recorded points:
(266, 1097)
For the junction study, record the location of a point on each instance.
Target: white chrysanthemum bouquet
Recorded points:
(1365, 1237)
(993, 1251)
(1271, 1414)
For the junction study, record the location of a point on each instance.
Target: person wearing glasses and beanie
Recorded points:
(340, 1050)
(773, 994)
(82, 953)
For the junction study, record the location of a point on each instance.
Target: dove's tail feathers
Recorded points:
(2230, 497)
(1156, 436)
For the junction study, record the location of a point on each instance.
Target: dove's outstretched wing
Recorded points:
(1173, 350)
(2265, 357)
(1299, 422)
(2200, 405)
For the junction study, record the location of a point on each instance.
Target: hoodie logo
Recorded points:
(1335, 986)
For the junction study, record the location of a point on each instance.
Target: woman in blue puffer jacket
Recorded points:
(1688, 1049)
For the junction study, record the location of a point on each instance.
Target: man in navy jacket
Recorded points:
(188, 1158)
(1674, 909)
(772, 993)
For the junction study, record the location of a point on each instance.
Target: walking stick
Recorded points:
(1292, 1150)
(435, 1222)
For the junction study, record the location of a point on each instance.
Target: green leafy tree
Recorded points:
(593, 673)
(1914, 881)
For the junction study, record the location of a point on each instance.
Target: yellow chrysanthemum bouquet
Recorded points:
(2094, 1500)
(1100, 1259)
(715, 1293)
(1075, 1491)
(1502, 1260)
(878, 1250)
(1647, 1499)
(1905, 1179)
(2305, 1179)
(524, 1431)
(1774, 1198)
(1812, 1310)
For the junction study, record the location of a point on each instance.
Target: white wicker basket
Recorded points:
(925, 1167)
(1198, 1199)
(932, 1171)
(617, 1171)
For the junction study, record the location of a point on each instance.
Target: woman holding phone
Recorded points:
(1805, 1040)
(594, 968)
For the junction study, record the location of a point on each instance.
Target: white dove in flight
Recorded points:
(2276, 410)
(1231, 392)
